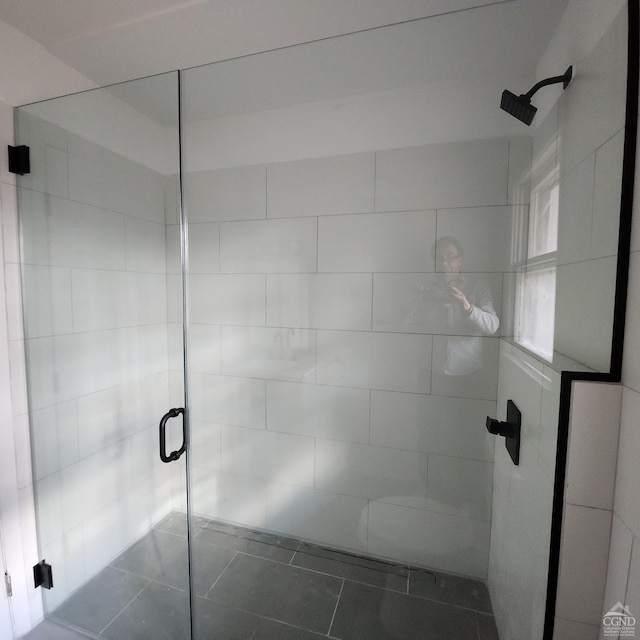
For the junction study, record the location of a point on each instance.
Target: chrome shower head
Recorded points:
(520, 107)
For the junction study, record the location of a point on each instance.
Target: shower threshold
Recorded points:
(251, 585)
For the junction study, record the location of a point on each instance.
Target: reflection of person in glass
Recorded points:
(468, 304)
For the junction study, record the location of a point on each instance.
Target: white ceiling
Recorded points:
(111, 41)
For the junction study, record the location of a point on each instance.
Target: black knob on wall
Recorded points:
(510, 430)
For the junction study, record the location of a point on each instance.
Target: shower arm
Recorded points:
(565, 78)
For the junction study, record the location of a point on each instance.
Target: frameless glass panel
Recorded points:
(102, 314)
(349, 249)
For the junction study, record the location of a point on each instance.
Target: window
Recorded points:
(536, 280)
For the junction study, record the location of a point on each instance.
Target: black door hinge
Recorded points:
(42, 575)
(19, 160)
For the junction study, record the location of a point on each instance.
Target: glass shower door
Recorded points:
(102, 297)
(338, 391)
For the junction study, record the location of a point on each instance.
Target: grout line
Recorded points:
(73, 318)
(266, 193)
(314, 445)
(335, 611)
(219, 248)
(317, 244)
(222, 573)
(368, 528)
(372, 298)
(59, 623)
(478, 626)
(509, 169)
(375, 178)
(128, 603)
(370, 412)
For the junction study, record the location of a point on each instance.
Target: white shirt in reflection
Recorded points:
(464, 341)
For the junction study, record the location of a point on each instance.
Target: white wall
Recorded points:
(409, 116)
(305, 299)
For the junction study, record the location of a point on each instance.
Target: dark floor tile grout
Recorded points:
(333, 575)
(368, 584)
(149, 580)
(478, 626)
(233, 557)
(317, 571)
(449, 604)
(422, 598)
(335, 610)
(124, 608)
(71, 627)
(293, 626)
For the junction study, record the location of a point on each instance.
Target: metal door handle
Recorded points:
(174, 455)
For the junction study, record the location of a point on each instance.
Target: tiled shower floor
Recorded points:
(255, 586)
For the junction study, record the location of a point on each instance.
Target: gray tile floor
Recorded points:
(250, 585)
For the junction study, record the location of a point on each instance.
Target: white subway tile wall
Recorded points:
(574, 225)
(321, 186)
(377, 242)
(434, 424)
(443, 176)
(269, 246)
(595, 111)
(584, 311)
(606, 197)
(317, 382)
(590, 160)
(522, 495)
(593, 444)
(339, 301)
(227, 194)
(621, 547)
(336, 413)
(437, 540)
(587, 534)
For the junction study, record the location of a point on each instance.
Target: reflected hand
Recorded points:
(460, 299)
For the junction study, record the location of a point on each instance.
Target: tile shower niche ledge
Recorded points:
(559, 363)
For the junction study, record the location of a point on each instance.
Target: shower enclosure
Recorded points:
(267, 246)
